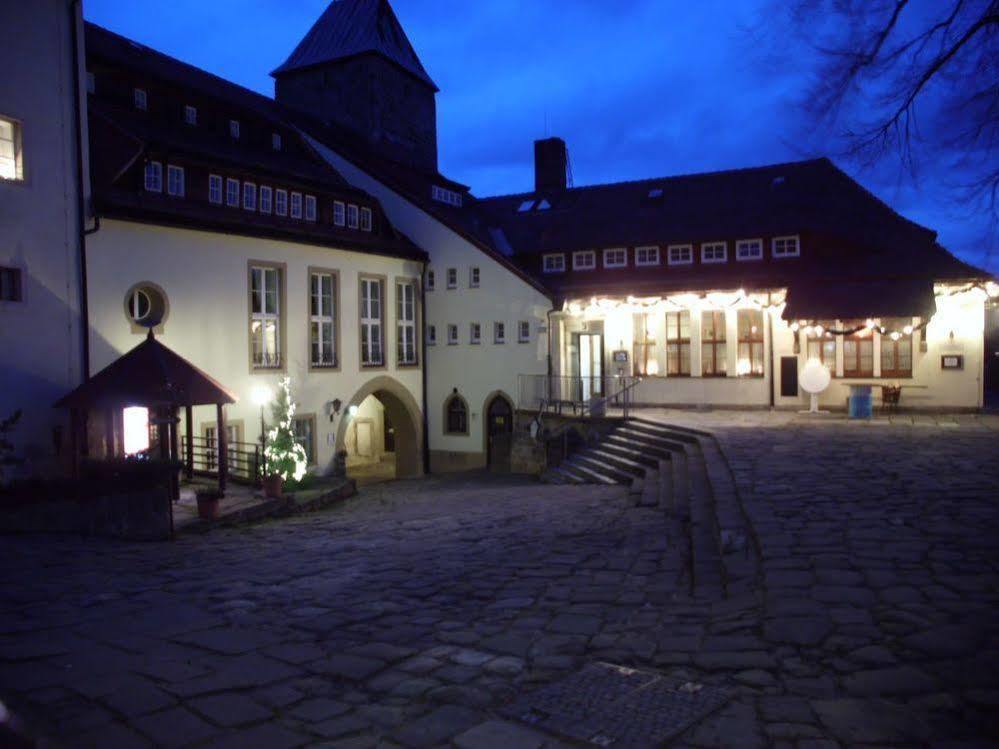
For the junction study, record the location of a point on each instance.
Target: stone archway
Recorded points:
(403, 412)
(498, 413)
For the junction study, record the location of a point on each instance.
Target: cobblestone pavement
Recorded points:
(409, 615)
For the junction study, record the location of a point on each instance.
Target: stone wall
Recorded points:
(533, 456)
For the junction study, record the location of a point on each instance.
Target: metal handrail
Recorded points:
(625, 391)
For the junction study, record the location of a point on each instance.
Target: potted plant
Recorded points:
(286, 459)
(208, 503)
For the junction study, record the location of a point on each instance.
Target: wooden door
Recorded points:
(499, 434)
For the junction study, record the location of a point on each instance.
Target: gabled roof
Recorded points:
(355, 27)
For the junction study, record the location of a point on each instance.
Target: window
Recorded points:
(750, 324)
(234, 129)
(351, 216)
(714, 252)
(456, 415)
(296, 205)
(584, 260)
(304, 428)
(714, 356)
(91, 83)
(10, 285)
(310, 207)
(452, 278)
(365, 219)
(175, 181)
(442, 195)
(644, 344)
(822, 346)
(11, 160)
(232, 192)
(786, 247)
(266, 194)
(554, 263)
(543, 205)
(749, 249)
(499, 332)
(431, 280)
(276, 141)
(452, 335)
(139, 99)
(475, 333)
(265, 317)
(371, 323)
(431, 335)
(678, 344)
(645, 256)
(249, 196)
(681, 254)
(858, 355)
(896, 348)
(339, 213)
(473, 278)
(525, 206)
(523, 332)
(281, 202)
(405, 316)
(616, 258)
(322, 319)
(215, 189)
(154, 176)
(190, 115)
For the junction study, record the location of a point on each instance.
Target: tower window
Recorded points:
(139, 99)
(190, 115)
(234, 129)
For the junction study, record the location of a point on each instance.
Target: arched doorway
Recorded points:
(380, 429)
(499, 432)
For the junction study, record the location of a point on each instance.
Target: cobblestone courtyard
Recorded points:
(408, 616)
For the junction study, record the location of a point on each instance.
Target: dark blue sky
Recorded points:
(637, 89)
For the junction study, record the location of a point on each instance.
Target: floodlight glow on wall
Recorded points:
(136, 425)
(261, 395)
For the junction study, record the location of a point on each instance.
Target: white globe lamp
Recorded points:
(814, 379)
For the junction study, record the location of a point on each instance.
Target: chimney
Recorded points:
(551, 164)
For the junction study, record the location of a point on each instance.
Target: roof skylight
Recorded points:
(525, 206)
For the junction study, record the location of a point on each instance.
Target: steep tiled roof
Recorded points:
(354, 27)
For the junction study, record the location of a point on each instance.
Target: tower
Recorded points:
(356, 68)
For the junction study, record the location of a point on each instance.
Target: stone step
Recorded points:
(566, 475)
(591, 460)
(634, 454)
(683, 434)
(588, 474)
(640, 435)
(611, 457)
(707, 568)
(648, 446)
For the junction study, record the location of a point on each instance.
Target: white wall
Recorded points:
(40, 335)
(204, 276)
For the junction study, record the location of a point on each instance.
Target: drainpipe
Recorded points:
(81, 206)
(773, 349)
(423, 370)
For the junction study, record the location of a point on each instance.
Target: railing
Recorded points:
(579, 396)
(245, 459)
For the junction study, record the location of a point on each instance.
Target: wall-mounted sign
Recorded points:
(951, 361)
(620, 357)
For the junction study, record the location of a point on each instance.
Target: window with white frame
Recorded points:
(431, 335)
(586, 260)
(265, 317)
(405, 316)
(452, 335)
(365, 219)
(749, 249)
(249, 196)
(452, 278)
(786, 246)
(523, 332)
(372, 313)
(714, 252)
(553, 263)
(616, 258)
(431, 280)
(499, 332)
(474, 333)
(322, 319)
(154, 176)
(473, 278)
(296, 205)
(339, 213)
(680, 254)
(266, 199)
(352, 219)
(234, 129)
(281, 202)
(139, 99)
(232, 192)
(276, 141)
(310, 207)
(190, 115)
(443, 195)
(215, 189)
(175, 180)
(645, 256)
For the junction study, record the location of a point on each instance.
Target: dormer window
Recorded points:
(655, 192)
(443, 195)
(276, 141)
(154, 176)
(681, 254)
(786, 246)
(646, 256)
(749, 249)
(139, 98)
(616, 258)
(296, 205)
(352, 220)
(175, 181)
(339, 213)
(190, 115)
(234, 129)
(214, 189)
(266, 199)
(543, 205)
(586, 260)
(249, 196)
(310, 207)
(526, 206)
(714, 252)
(281, 202)
(365, 219)
(232, 192)
(553, 263)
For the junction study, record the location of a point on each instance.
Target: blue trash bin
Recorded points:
(861, 402)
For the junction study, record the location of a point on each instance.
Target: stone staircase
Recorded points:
(683, 472)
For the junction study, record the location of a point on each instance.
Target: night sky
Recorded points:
(639, 89)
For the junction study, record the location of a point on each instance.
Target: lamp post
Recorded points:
(262, 395)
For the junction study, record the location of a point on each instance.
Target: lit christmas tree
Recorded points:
(285, 457)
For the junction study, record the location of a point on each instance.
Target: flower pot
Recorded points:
(273, 485)
(208, 506)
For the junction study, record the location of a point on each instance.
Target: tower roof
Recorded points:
(355, 27)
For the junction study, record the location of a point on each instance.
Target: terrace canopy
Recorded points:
(149, 376)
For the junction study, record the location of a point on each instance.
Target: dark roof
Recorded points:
(355, 27)
(845, 300)
(148, 375)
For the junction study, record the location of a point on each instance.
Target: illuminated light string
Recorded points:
(817, 331)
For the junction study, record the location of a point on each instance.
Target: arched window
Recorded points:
(455, 415)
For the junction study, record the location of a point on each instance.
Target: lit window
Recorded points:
(616, 258)
(365, 219)
(339, 213)
(475, 333)
(896, 348)
(234, 129)
(281, 202)
(296, 205)
(750, 324)
(310, 207)
(452, 335)
(190, 115)
(431, 335)
(456, 411)
(135, 425)
(139, 98)
(10, 285)
(276, 141)
(678, 344)
(232, 192)
(215, 189)
(858, 355)
(266, 198)
(265, 317)
(473, 278)
(749, 249)
(405, 315)
(154, 176)
(371, 322)
(524, 331)
(644, 361)
(322, 319)
(352, 219)
(499, 332)
(821, 345)
(452, 278)
(175, 181)
(714, 252)
(714, 353)
(554, 263)
(431, 280)
(584, 260)
(681, 254)
(786, 247)
(645, 256)
(249, 196)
